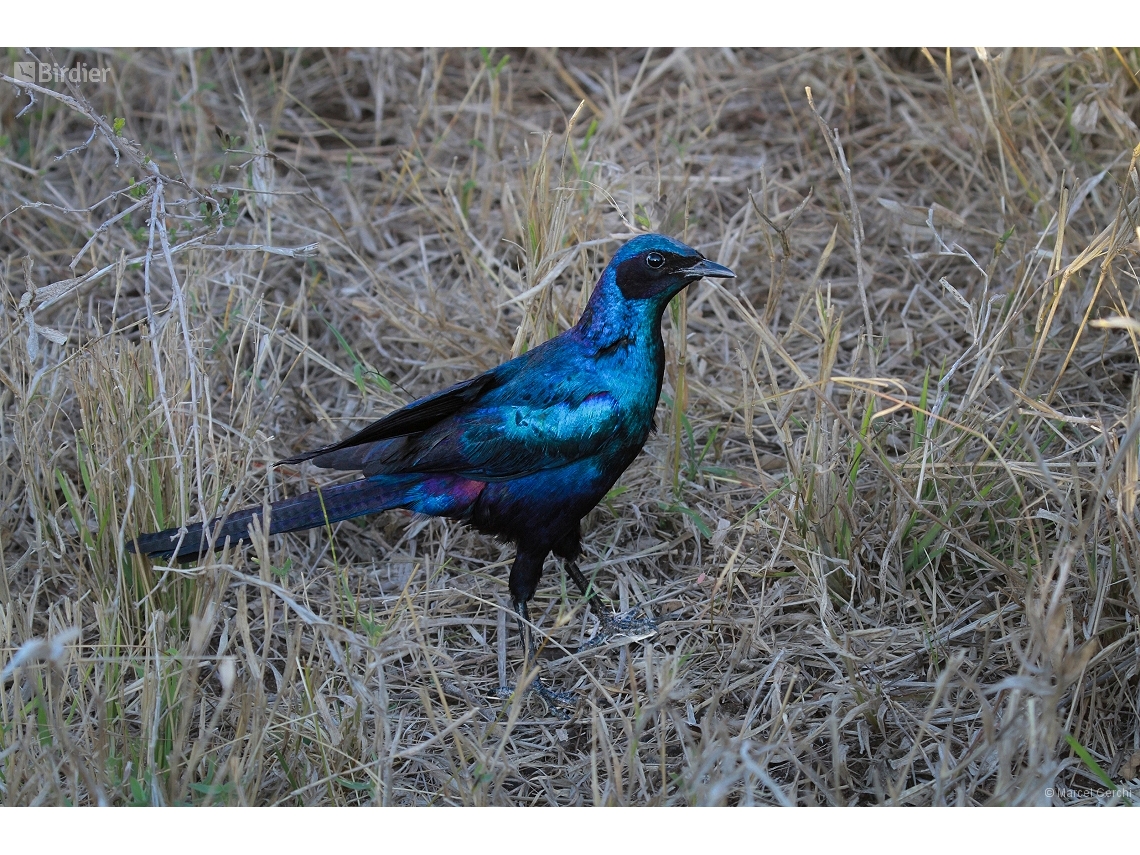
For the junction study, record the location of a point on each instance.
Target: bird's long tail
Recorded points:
(315, 508)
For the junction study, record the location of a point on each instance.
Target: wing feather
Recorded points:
(416, 417)
(527, 415)
(501, 442)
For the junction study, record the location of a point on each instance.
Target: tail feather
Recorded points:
(315, 508)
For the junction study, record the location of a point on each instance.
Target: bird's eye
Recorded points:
(655, 260)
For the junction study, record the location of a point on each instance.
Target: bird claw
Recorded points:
(629, 626)
(558, 703)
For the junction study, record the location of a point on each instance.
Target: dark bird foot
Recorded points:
(559, 704)
(632, 625)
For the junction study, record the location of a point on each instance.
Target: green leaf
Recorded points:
(1000, 245)
(282, 572)
(701, 525)
(590, 131)
(359, 786)
(1090, 762)
(360, 372)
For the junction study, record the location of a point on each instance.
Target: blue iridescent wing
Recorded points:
(506, 441)
(418, 416)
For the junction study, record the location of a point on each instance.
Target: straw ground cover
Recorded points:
(888, 521)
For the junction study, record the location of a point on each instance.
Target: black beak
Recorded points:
(711, 269)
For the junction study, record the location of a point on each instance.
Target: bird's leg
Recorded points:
(553, 697)
(557, 702)
(632, 625)
(590, 594)
(525, 573)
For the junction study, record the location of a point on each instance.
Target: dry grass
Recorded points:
(889, 521)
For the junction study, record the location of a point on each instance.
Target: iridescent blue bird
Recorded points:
(522, 452)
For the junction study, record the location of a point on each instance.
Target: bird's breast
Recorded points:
(632, 373)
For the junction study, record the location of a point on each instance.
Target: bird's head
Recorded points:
(638, 283)
(655, 268)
